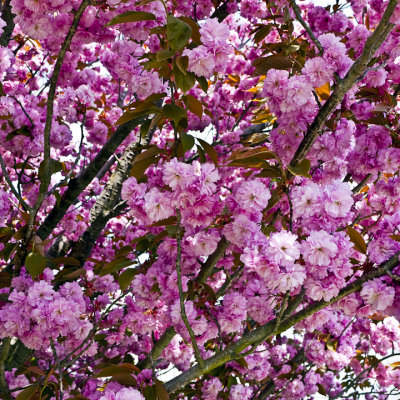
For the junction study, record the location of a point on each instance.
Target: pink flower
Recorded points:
(178, 174)
(209, 175)
(214, 33)
(284, 248)
(319, 248)
(339, 199)
(123, 394)
(158, 205)
(201, 61)
(252, 196)
(241, 230)
(211, 388)
(203, 244)
(275, 82)
(377, 294)
(291, 279)
(317, 71)
(376, 78)
(306, 200)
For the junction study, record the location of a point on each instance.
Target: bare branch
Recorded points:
(373, 42)
(44, 184)
(297, 12)
(269, 329)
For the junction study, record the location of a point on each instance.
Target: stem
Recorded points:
(297, 12)
(4, 350)
(181, 295)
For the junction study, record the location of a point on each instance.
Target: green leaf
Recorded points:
(203, 83)
(115, 370)
(209, 150)
(357, 240)
(27, 393)
(150, 393)
(126, 278)
(140, 167)
(132, 16)
(301, 169)
(174, 113)
(178, 33)
(35, 263)
(66, 261)
(196, 37)
(184, 81)
(264, 64)
(164, 54)
(195, 105)
(160, 389)
(115, 265)
(187, 141)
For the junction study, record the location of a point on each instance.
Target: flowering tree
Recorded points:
(205, 187)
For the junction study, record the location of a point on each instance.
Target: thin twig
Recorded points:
(181, 295)
(297, 12)
(71, 171)
(25, 205)
(60, 370)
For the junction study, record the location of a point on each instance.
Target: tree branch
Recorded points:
(297, 12)
(8, 18)
(45, 181)
(269, 329)
(77, 185)
(373, 42)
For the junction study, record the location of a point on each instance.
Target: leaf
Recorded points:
(195, 105)
(270, 172)
(140, 167)
(126, 278)
(130, 115)
(115, 370)
(35, 264)
(301, 169)
(5, 279)
(178, 32)
(75, 274)
(209, 150)
(249, 162)
(184, 81)
(66, 261)
(164, 54)
(324, 91)
(168, 221)
(195, 29)
(132, 16)
(126, 380)
(150, 152)
(160, 389)
(242, 362)
(27, 393)
(395, 237)
(210, 291)
(357, 240)
(182, 62)
(262, 33)
(203, 83)
(259, 152)
(264, 64)
(115, 265)
(332, 344)
(187, 141)
(174, 113)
